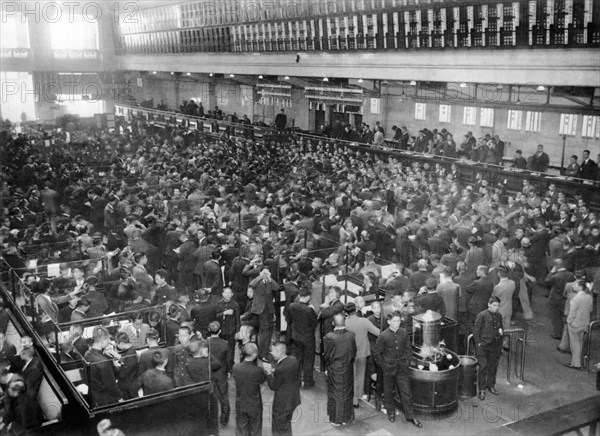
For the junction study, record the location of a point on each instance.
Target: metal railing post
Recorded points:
(470, 339)
(88, 374)
(56, 344)
(521, 337)
(588, 345)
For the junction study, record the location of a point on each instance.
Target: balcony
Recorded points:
(15, 53)
(76, 54)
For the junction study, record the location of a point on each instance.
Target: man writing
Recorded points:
(285, 381)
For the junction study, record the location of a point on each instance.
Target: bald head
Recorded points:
(250, 351)
(559, 263)
(339, 320)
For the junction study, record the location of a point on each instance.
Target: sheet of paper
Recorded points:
(53, 270)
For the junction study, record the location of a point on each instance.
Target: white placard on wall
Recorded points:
(375, 105)
(420, 111)
(445, 113)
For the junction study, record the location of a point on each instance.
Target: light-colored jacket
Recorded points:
(579, 311)
(361, 327)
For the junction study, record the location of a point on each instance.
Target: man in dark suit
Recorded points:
(146, 357)
(488, 335)
(573, 169)
(588, 167)
(102, 383)
(128, 366)
(219, 349)
(212, 275)
(248, 400)
(79, 342)
(32, 372)
(393, 353)
(302, 322)
(96, 205)
(281, 120)
(155, 380)
(228, 314)
(204, 312)
(330, 307)
(284, 379)
(263, 307)
(556, 281)
(202, 255)
(539, 161)
(478, 293)
(185, 254)
(239, 282)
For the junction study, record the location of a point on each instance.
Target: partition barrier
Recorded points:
(588, 344)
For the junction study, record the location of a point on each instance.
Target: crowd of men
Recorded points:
(215, 228)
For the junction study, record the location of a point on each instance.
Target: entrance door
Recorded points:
(319, 119)
(341, 117)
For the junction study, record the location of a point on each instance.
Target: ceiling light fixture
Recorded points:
(360, 80)
(153, 72)
(413, 83)
(260, 77)
(188, 74)
(172, 73)
(541, 88)
(325, 79)
(463, 85)
(286, 78)
(232, 75)
(211, 75)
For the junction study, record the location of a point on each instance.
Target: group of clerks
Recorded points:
(393, 352)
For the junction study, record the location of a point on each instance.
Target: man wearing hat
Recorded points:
(361, 327)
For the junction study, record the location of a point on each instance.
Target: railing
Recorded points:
(15, 53)
(587, 355)
(509, 177)
(517, 337)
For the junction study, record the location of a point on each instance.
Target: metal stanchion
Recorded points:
(470, 339)
(588, 345)
(56, 344)
(521, 340)
(88, 374)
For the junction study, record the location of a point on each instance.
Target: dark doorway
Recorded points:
(342, 117)
(319, 119)
(357, 120)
